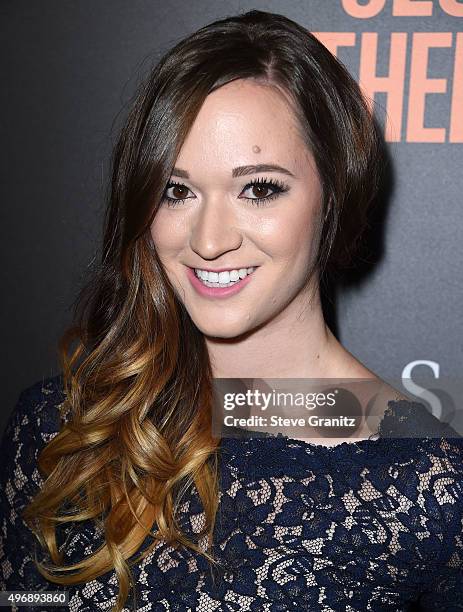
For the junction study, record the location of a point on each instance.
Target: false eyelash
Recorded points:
(172, 201)
(277, 185)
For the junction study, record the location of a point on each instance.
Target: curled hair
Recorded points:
(136, 371)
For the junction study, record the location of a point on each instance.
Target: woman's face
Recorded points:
(220, 221)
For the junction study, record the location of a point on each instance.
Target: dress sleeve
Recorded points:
(444, 591)
(26, 432)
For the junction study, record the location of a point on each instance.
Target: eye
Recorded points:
(260, 189)
(178, 194)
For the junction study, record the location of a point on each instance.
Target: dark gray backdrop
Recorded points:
(69, 71)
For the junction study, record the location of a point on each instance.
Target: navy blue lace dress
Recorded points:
(371, 525)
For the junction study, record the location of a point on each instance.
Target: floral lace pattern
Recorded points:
(373, 525)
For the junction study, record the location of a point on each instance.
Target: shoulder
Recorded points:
(404, 420)
(33, 422)
(38, 405)
(446, 455)
(38, 409)
(438, 463)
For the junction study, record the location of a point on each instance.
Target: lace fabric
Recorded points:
(370, 525)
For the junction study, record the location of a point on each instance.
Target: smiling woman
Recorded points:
(233, 213)
(244, 175)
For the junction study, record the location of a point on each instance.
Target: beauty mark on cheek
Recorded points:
(256, 149)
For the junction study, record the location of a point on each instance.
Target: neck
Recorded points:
(296, 343)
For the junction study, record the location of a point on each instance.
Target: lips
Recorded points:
(218, 292)
(229, 269)
(225, 277)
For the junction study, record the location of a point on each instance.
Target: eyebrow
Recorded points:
(242, 170)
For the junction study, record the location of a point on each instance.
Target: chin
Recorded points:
(223, 329)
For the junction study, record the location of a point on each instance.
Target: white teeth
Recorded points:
(223, 279)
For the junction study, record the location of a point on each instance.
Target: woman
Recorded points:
(243, 175)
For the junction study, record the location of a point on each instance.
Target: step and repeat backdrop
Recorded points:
(70, 70)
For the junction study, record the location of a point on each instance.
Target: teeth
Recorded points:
(223, 279)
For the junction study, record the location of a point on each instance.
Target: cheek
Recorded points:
(290, 237)
(168, 234)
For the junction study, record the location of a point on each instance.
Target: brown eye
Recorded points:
(179, 191)
(260, 191)
(176, 193)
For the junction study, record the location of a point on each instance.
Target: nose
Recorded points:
(214, 230)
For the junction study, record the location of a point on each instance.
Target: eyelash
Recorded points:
(278, 187)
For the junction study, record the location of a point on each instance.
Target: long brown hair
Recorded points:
(136, 372)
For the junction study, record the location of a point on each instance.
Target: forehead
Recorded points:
(244, 119)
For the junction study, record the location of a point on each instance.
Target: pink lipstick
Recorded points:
(218, 292)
